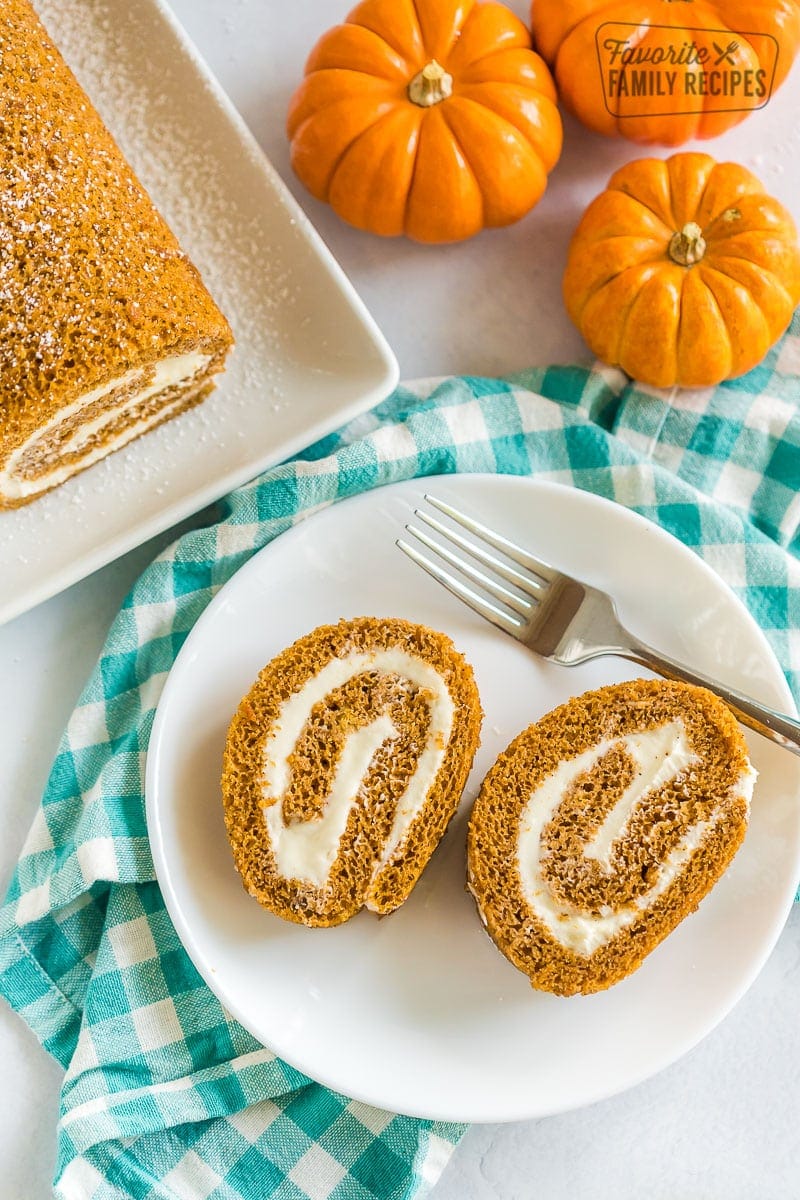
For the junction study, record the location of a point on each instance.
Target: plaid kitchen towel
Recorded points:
(164, 1094)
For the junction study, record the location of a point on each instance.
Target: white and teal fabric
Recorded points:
(164, 1094)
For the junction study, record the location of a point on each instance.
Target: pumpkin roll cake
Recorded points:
(343, 766)
(605, 824)
(107, 328)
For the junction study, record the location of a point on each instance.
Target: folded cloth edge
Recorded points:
(426, 441)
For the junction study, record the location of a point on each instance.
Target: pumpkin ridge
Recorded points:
(328, 48)
(649, 208)
(389, 84)
(674, 223)
(702, 196)
(595, 291)
(623, 120)
(640, 237)
(497, 49)
(626, 319)
(418, 19)
(701, 270)
(497, 116)
(413, 13)
(497, 67)
(316, 106)
(717, 245)
(679, 326)
(714, 14)
(412, 179)
(724, 27)
(456, 32)
(718, 234)
(346, 148)
(501, 50)
(523, 87)
(465, 156)
(719, 251)
(351, 147)
(716, 266)
(593, 19)
(413, 176)
(589, 18)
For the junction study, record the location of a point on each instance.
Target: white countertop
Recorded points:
(723, 1122)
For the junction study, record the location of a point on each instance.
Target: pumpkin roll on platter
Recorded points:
(605, 824)
(344, 765)
(107, 328)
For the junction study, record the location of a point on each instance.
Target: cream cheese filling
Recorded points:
(660, 755)
(178, 370)
(306, 850)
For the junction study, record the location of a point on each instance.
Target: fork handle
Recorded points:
(778, 727)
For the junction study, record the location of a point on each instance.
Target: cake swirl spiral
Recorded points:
(602, 826)
(344, 765)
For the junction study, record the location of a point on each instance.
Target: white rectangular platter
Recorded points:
(308, 355)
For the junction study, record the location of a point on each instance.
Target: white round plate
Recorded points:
(419, 1013)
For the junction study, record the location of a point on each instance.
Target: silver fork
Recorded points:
(555, 615)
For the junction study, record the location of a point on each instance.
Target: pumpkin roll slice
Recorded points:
(107, 328)
(344, 765)
(605, 824)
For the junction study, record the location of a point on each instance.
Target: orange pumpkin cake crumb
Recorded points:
(107, 328)
(603, 826)
(344, 765)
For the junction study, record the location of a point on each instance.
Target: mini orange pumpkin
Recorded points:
(658, 71)
(432, 118)
(683, 272)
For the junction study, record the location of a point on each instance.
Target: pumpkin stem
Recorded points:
(689, 246)
(431, 85)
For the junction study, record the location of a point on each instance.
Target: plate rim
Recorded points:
(492, 1115)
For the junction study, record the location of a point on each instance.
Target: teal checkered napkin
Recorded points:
(164, 1094)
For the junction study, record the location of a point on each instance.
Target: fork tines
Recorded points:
(528, 585)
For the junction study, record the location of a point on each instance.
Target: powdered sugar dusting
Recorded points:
(305, 355)
(102, 42)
